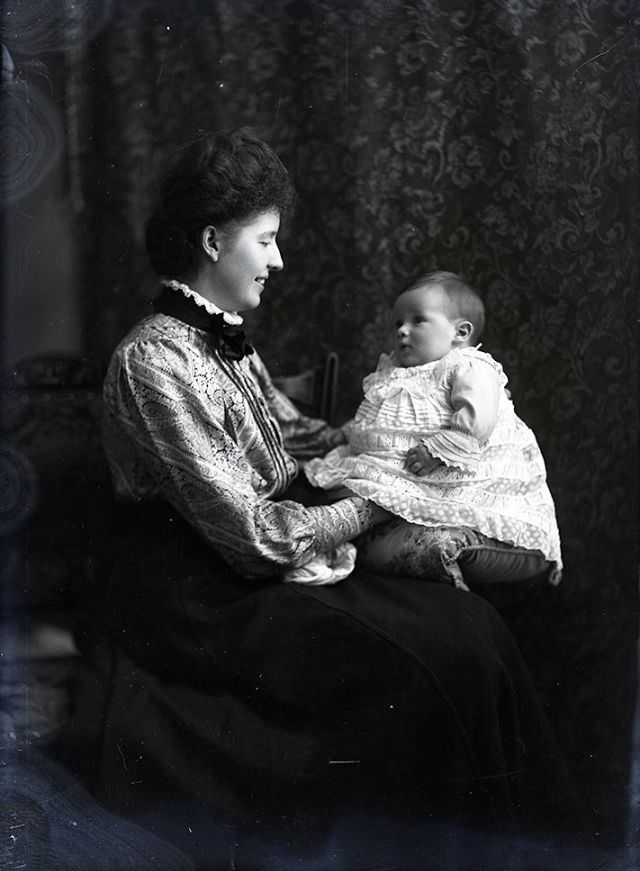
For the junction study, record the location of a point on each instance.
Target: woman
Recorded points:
(214, 691)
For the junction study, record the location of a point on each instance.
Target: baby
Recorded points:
(437, 443)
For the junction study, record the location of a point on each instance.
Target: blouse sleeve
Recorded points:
(304, 437)
(475, 399)
(182, 440)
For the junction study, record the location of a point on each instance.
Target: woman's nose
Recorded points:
(275, 261)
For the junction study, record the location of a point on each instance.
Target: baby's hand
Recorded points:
(420, 462)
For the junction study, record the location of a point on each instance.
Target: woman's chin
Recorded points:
(248, 303)
(253, 300)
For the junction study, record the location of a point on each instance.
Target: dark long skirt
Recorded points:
(288, 710)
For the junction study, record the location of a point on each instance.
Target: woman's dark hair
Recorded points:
(219, 179)
(463, 299)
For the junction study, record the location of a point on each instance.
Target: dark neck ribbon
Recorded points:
(229, 339)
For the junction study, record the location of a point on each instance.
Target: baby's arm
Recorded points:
(475, 399)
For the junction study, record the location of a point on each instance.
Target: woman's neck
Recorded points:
(190, 291)
(202, 286)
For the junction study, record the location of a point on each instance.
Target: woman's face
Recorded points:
(247, 254)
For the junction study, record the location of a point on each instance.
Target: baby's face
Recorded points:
(424, 329)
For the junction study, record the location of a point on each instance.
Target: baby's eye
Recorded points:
(419, 319)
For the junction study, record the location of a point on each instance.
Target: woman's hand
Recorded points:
(370, 513)
(376, 513)
(420, 462)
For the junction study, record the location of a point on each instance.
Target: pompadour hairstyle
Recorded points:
(218, 179)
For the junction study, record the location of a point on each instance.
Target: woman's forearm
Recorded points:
(344, 520)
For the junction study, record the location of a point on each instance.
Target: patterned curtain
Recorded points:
(497, 138)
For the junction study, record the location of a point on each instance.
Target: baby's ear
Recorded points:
(464, 331)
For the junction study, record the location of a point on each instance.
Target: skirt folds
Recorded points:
(289, 707)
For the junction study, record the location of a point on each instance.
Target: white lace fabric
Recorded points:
(491, 478)
(232, 318)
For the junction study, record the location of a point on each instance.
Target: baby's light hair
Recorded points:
(461, 296)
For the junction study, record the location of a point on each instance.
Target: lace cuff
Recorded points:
(342, 521)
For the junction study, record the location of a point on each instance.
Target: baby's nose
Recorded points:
(402, 329)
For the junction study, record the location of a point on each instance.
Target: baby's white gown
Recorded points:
(492, 477)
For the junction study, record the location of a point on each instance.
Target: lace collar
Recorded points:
(231, 318)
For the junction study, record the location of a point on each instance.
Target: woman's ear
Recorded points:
(209, 240)
(464, 331)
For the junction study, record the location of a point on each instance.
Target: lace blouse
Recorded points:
(215, 439)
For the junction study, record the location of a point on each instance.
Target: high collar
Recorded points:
(229, 338)
(231, 318)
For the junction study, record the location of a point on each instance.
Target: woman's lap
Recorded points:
(296, 705)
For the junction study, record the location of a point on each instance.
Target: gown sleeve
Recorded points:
(475, 400)
(181, 432)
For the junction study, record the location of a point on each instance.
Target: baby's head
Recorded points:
(436, 313)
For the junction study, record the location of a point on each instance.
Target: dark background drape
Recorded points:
(494, 138)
